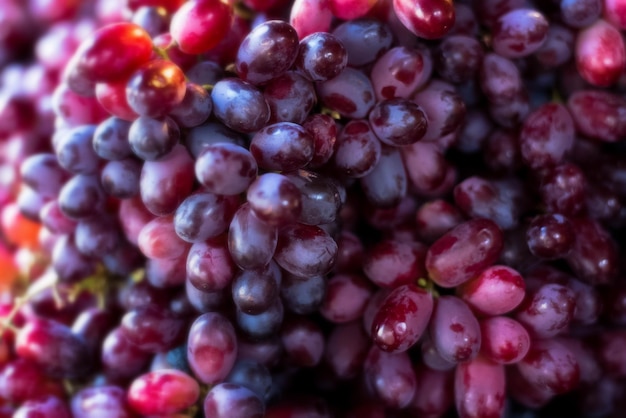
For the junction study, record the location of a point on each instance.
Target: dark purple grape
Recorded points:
(203, 215)
(94, 401)
(454, 330)
(205, 73)
(321, 56)
(225, 168)
(563, 189)
(597, 114)
(121, 178)
(110, 140)
(195, 108)
(49, 407)
(458, 58)
(594, 257)
(255, 291)
(444, 108)
(152, 139)
(209, 265)
(95, 237)
(290, 98)
(305, 250)
(196, 139)
(282, 146)
(321, 201)
(364, 40)
(346, 299)
(381, 369)
(387, 184)
(275, 199)
(156, 88)
(43, 173)
(75, 151)
(358, 149)
(302, 295)
(239, 105)
(398, 122)
(267, 52)
(500, 79)
(69, 263)
(152, 329)
(264, 324)
(519, 33)
(550, 236)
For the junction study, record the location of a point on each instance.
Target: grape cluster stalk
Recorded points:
(312, 208)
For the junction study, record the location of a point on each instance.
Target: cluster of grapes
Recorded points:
(312, 208)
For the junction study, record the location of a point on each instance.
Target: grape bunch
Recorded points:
(312, 208)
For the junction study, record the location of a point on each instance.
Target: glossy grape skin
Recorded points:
(463, 252)
(210, 133)
(547, 136)
(199, 25)
(164, 184)
(262, 325)
(398, 122)
(300, 17)
(225, 168)
(254, 291)
(121, 360)
(291, 98)
(275, 199)
(390, 264)
(239, 105)
(251, 241)
(43, 173)
(358, 149)
(593, 257)
(233, 401)
(163, 391)
(598, 114)
(267, 52)
(495, 291)
(401, 71)
(547, 311)
(321, 56)
(209, 265)
(75, 152)
(114, 51)
(110, 140)
(109, 400)
(387, 184)
(320, 197)
(454, 330)
(550, 365)
(350, 93)
(112, 97)
(519, 33)
(402, 318)
(17, 378)
(152, 330)
(152, 139)
(429, 19)
(503, 340)
(600, 54)
(480, 389)
(302, 295)
(305, 250)
(444, 109)
(212, 347)
(81, 196)
(203, 216)
(282, 146)
(550, 236)
(158, 239)
(364, 40)
(381, 369)
(156, 88)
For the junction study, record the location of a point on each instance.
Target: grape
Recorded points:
(503, 340)
(402, 318)
(429, 19)
(400, 71)
(308, 17)
(158, 239)
(597, 114)
(390, 377)
(203, 216)
(454, 329)
(346, 349)
(358, 149)
(321, 56)
(152, 330)
(302, 295)
(282, 146)
(212, 347)
(239, 105)
(209, 265)
(479, 388)
(75, 152)
(550, 365)
(600, 54)
(114, 52)
(252, 375)
(495, 291)
(163, 391)
(196, 139)
(254, 291)
(303, 342)
(350, 93)
(49, 407)
(17, 378)
(364, 40)
(100, 400)
(152, 139)
(234, 401)
(547, 311)
(519, 33)
(463, 252)
(225, 168)
(290, 98)
(390, 264)
(199, 25)
(264, 324)
(434, 394)
(458, 58)
(398, 122)
(110, 140)
(267, 52)
(165, 183)
(305, 250)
